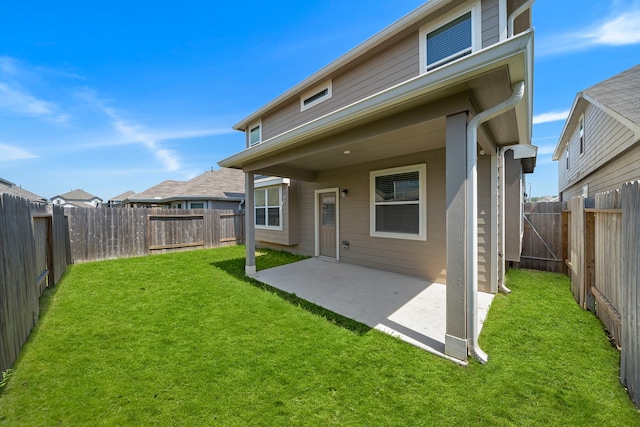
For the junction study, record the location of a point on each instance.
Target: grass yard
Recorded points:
(184, 339)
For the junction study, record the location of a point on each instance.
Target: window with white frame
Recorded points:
(452, 38)
(255, 134)
(398, 202)
(197, 205)
(581, 133)
(268, 207)
(316, 95)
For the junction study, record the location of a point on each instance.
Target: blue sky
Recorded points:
(120, 95)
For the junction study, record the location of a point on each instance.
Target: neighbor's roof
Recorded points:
(218, 184)
(8, 187)
(123, 196)
(618, 96)
(78, 195)
(404, 23)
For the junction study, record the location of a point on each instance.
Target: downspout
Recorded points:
(472, 215)
(512, 18)
(501, 286)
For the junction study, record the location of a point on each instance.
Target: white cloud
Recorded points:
(133, 132)
(554, 116)
(546, 149)
(10, 153)
(16, 99)
(621, 28)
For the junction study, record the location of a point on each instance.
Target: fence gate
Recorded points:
(542, 239)
(42, 234)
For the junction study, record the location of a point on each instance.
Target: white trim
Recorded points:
(316, 218)
(502, 19)
(271, 181)
(421, 168)
(267, 206)
(476, 33)
(257, 124)
(328, 86)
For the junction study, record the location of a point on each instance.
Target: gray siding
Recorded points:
(606, 140)
(393, 65)
(425, 259)
(490, 23)
(484, 223)
(623, 169)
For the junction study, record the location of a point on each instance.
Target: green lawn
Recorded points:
(184, 339)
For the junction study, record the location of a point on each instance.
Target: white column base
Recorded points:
(250, 270)
(455, 347)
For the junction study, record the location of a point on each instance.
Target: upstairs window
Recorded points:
(316, 95)
(398, 203)
(448, 40)
(581, 133)
(255, 134)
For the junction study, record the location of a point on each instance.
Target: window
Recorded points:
(567, 156)
(268, 207)
(316, 95)
(398, 202)
(448, 40)
(255, 134)
(581, 133)
(197, 205)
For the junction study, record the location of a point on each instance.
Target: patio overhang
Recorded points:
(366, 129)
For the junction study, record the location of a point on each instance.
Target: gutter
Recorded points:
(472, 215)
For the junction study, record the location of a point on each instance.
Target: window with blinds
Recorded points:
(452, 38)
(398, 198)
(449, 42)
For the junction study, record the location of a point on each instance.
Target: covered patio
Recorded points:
(406, 307)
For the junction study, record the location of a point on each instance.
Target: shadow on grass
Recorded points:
(235, 267)
(44, 303)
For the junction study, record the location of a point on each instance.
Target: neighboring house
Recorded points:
(599, 148)
(215, 189)
(382, 153)
(77, 199)
(8, 187)
(120, 198)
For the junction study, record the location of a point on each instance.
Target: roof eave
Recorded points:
(502, 53)
(564, 135)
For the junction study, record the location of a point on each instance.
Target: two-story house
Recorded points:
(405, 154)
(599, 148)
(77, 199)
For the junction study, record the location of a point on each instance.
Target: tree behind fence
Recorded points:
(97, 234)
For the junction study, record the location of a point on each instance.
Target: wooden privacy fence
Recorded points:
(97, 234)
(33, 255)
(603, 247)
(542, 242)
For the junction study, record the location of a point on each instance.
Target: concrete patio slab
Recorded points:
(407, 307)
